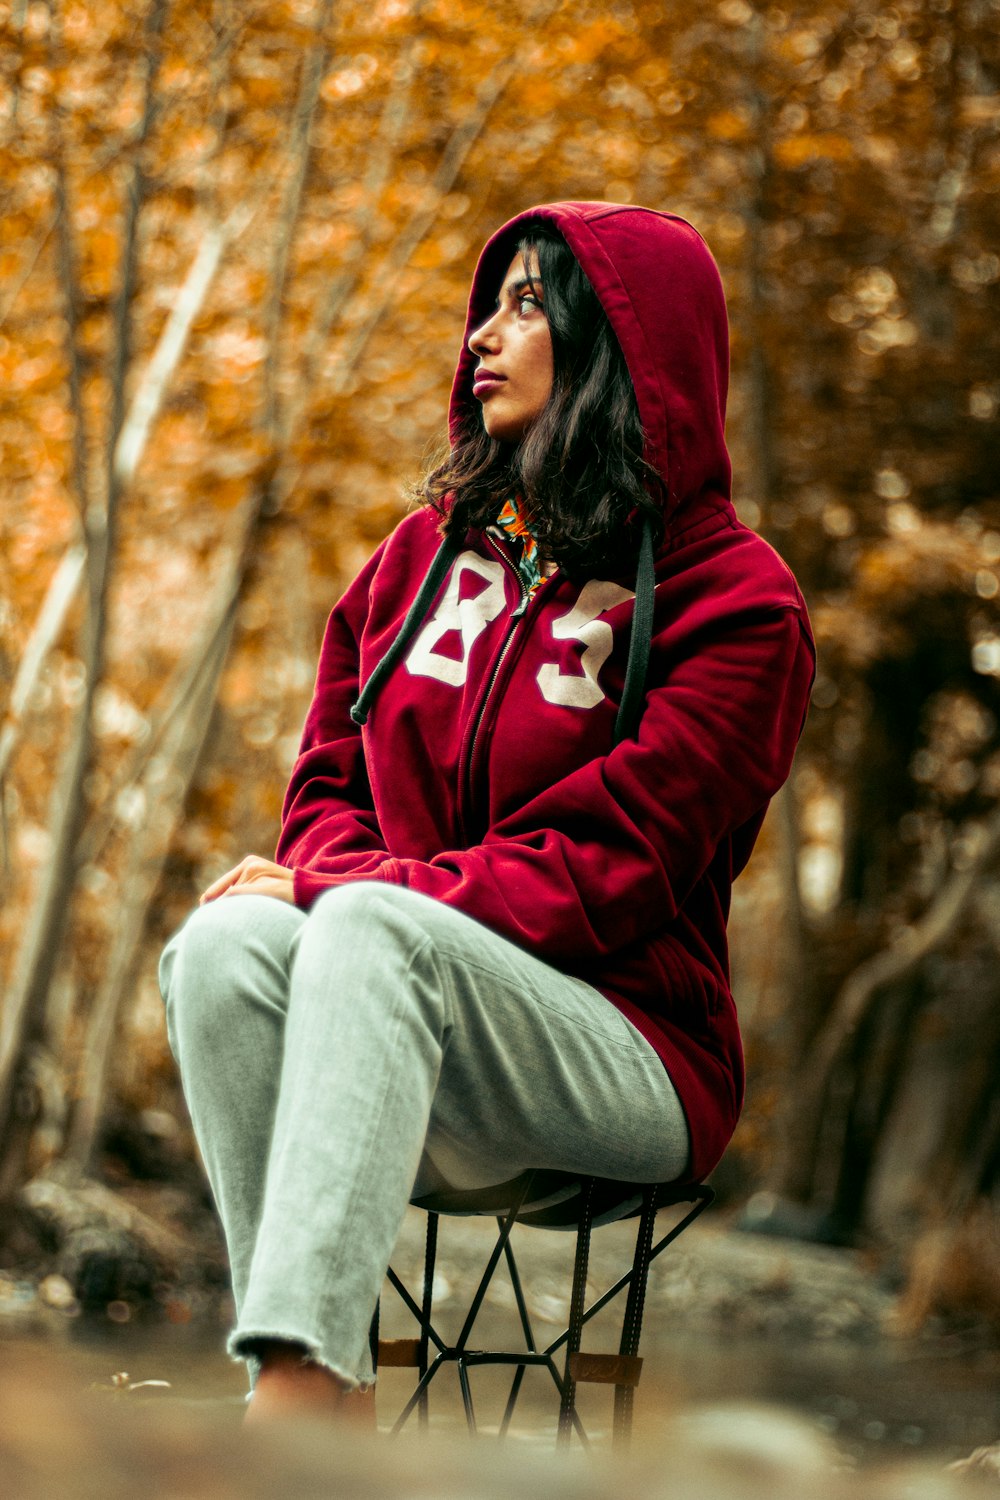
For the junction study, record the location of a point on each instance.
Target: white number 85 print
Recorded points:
(470, 618)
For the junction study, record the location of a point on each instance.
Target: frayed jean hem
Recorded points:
(242, 1347)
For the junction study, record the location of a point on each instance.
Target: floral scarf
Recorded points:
(513, 522)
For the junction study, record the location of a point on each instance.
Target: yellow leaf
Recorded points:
(797, 150)
(729, 125)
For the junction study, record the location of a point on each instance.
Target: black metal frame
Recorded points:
(552, 1201)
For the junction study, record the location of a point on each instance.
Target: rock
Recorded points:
(55, 1291)
(104, 1266)
(766, 1213)
(107, 1250)
(980, 1461)
(756, 1449)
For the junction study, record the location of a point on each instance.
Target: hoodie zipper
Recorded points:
(516, 616)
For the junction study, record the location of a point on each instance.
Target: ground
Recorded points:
(730, 1316)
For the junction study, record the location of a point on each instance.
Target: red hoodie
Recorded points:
(487, 776)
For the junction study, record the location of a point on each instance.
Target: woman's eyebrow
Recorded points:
(516, 288)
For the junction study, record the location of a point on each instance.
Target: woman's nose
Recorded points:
(484, 339)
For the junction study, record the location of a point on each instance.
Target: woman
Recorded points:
(525, 786)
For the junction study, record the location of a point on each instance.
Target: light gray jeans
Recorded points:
(336, 1063)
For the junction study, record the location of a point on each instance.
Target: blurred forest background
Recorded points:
(237, 242)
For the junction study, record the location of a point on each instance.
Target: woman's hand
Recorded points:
(253, 876)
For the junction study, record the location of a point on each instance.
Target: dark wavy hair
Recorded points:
(579, 469)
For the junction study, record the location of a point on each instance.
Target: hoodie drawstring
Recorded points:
(630, 708)
(640, 641)
(433, 578)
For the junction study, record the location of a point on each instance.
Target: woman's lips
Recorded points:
(485, 380)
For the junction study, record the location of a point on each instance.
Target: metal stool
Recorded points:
(548, 1200)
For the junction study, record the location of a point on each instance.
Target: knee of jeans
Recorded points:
(380, 925)
(373, 910)
(203, 956)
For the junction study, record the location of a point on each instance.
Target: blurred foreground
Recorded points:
(771, 1366)
(59, 1440)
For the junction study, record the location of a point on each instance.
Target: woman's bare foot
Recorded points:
(289, 1385)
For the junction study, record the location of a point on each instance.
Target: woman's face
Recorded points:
(513, 378)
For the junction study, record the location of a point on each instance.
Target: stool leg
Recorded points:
(463, 1380)
(430, 1257)
(567, 1406)
(632, 1323)
(526, 1329)
(373, 1336)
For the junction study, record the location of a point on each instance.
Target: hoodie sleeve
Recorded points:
(610, 853)
(328, 824)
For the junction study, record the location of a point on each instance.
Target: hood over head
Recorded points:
(660, 287)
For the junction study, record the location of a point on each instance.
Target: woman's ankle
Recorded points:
(290, 1383)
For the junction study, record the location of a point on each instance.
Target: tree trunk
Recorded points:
(24, 1017)
(860, 992)
(150, 848)
(879, 1064)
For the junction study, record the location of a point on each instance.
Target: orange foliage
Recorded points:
(731, 114)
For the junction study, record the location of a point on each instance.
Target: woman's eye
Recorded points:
(526, 302)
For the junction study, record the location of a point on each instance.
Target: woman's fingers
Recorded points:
(255, 874)
(218, 886)
(281, 886)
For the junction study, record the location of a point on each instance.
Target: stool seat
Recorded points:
(553, 1199)
(547, 1200)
